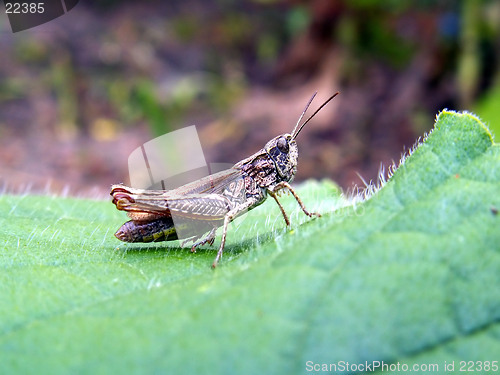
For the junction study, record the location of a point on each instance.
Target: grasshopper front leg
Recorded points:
(283, 185)
(285, 216)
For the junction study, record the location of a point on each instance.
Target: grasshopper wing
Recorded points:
(208, 198)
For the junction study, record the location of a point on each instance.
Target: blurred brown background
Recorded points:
(79, 93)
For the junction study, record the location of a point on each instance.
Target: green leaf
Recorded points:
(409, 277)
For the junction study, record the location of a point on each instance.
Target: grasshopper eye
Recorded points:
(282, 145)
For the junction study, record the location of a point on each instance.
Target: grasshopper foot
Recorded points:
(209, 238)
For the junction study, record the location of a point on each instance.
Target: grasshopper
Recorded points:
(204, 205)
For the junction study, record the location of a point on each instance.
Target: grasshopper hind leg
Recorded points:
(209, 238)
(227, 219)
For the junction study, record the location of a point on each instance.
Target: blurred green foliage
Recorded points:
(371, 39)
(297, 20)
(63, 81)
(488, 107)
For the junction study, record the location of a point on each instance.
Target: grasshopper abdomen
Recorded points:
(147, 231)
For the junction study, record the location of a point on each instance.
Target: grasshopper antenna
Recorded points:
(296, 132)
(303, 113)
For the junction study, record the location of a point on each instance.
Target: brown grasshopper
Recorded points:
(211, 202)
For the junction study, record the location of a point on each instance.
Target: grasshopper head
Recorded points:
(284, 152)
